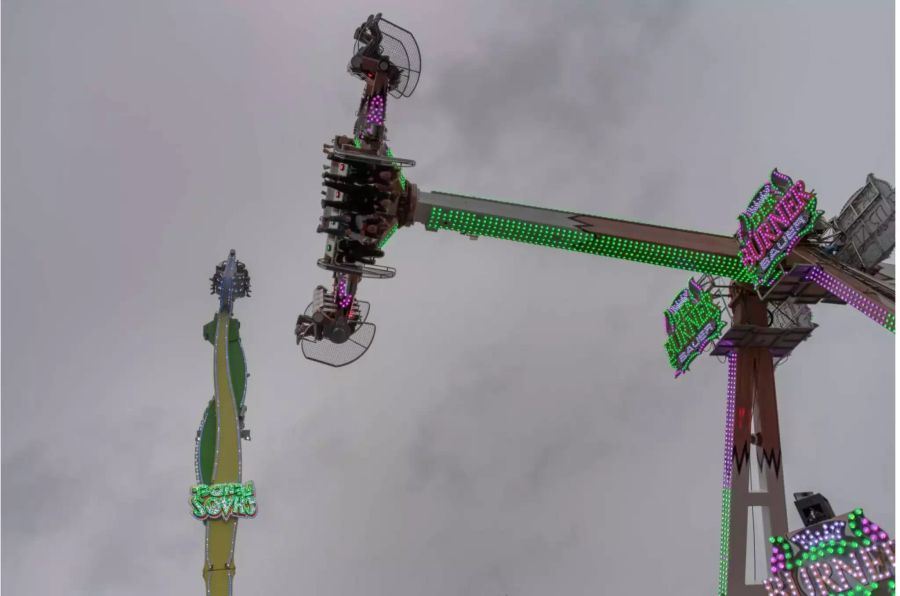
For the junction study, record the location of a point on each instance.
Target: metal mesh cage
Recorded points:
(337, 355)
(400, 47)
(867, 225)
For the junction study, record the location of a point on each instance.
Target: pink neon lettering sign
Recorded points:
(780, 214)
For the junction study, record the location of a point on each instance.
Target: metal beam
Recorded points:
(656, 245)
(812, 276)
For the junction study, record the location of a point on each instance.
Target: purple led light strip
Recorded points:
(344, 299)
(725, 536)
(376, 111)
(828, 282)
(777, 560)
(729, 420)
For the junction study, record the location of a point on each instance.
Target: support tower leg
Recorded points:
(754, 506)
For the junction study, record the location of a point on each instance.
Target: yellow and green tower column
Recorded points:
(220, 498)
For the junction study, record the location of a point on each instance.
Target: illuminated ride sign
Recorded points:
(781, 213)
(222, 501)
(692, 322)
(845, 555)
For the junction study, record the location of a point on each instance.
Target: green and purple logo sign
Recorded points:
(845, 555)
(692, 322)
(779, 215)
(222, 501)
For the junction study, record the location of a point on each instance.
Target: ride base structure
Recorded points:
(784, 257)
(219, 499)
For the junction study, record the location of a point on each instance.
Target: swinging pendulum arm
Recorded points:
(820, 277)
(644, 243)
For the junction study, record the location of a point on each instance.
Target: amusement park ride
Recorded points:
(784, 257)
(219, 499)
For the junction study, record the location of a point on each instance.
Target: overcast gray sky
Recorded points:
(504, 436)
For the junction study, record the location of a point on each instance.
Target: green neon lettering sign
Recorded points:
(223, 501)
(849, 555)
(692, 322)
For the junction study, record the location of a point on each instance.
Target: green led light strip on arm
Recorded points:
(507, 228)
(402, 175)
(387, 237)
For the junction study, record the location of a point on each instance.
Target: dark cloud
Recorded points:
(573, 72)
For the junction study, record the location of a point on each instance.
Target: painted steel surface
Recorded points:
(220, 535)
